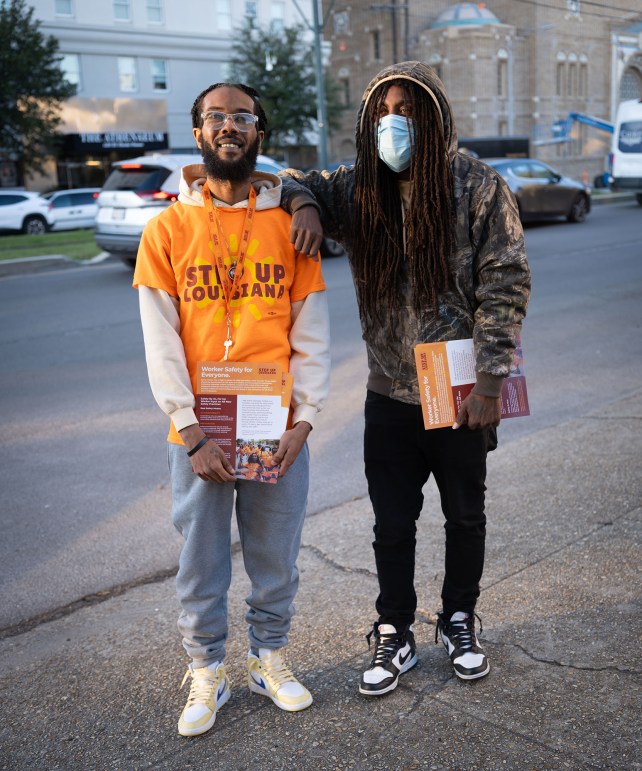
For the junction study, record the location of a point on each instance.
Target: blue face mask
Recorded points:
(393, 141)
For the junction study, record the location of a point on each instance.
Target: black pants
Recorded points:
(400, 455)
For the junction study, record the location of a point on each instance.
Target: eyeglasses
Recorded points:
(242, 120)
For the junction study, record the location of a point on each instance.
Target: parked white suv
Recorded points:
(24, 211)
(70, 209)
(137, 190)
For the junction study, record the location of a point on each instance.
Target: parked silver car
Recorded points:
(541, 192)
(23, 211)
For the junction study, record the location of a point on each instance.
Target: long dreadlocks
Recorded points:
(429, 222)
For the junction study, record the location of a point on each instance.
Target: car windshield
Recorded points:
(136, 178)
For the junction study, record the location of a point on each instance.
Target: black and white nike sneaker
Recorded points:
(459, 638)
(394, 654)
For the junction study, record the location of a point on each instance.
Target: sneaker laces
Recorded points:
(202, 686)
(276, 670)
(460, 633)
(386, 646)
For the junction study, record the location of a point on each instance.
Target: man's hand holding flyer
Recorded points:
(244, 407)
(446, 373)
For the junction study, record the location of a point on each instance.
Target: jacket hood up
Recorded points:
(424, 76)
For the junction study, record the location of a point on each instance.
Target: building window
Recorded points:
(502, 72)
(630, 85)
(121, 10)
(573, 7)
(64, 8)
(560, 79)
(70, 65)
(224, 14)
(583, 75)
(345, 89)
(127, 73)
(572, 84)
(341, 22)
(159, 74)
(572, 79)
(376, 44)
(277, 21)
(155, 11)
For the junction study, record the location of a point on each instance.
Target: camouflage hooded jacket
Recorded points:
(490, 283)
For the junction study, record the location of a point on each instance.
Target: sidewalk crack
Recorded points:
(544, 557)
(556, 663)
(337, 565)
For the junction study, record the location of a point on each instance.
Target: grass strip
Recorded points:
(75, 244)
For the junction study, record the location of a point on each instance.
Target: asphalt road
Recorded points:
(83, 468)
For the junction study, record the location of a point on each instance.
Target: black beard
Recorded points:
(230, 171)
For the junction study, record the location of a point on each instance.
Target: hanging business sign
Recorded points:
(95, 142)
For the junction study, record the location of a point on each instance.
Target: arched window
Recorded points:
(631, 83)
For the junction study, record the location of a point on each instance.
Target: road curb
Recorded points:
(46, 262)
(598, 199)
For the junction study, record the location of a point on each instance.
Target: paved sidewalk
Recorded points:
(98, 689)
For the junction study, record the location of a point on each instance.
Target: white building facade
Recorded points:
(137, 66)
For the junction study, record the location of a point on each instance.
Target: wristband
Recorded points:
(198, 446)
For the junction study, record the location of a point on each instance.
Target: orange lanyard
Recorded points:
(215, 227)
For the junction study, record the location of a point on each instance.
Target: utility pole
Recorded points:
(322, 112)
(322, 117)
(509, 87)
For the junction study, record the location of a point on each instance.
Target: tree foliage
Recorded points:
(32, 87)
(280, 66)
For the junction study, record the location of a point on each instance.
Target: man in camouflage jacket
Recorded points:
(481, 293)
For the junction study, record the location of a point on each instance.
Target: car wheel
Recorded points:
(129, 261)
(579, 210)
(34, 225)
(638, 198)
(330, 248)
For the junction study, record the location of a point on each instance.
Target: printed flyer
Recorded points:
(446, 373)
(243, 407)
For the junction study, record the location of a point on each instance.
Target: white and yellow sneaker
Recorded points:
(210, 689)
(269, 675)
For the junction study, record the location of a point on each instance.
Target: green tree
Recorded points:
(281, 68)
(32, 87)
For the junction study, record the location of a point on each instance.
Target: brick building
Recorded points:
(511, 67)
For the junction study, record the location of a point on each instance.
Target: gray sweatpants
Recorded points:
(270, 521)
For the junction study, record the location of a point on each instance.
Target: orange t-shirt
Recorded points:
(177, 256)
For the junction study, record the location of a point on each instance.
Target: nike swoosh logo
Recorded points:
(403, 659)
(258, 680)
